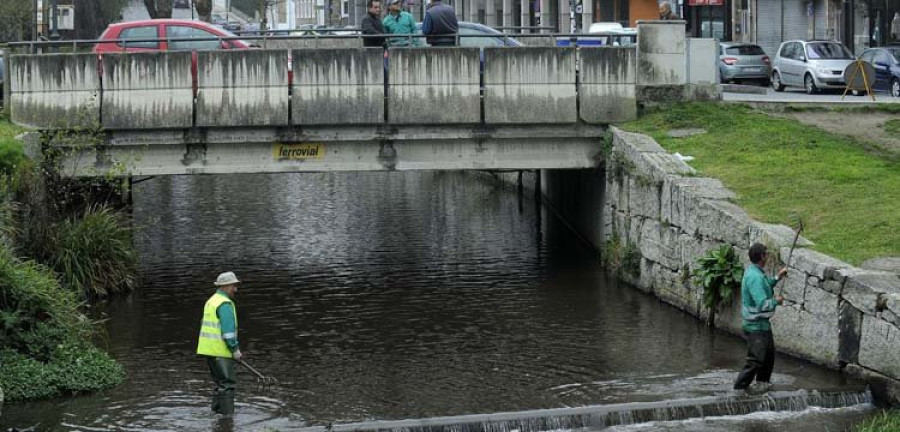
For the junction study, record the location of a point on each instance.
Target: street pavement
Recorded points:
(799, 96)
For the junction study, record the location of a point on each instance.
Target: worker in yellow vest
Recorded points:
(218, 341)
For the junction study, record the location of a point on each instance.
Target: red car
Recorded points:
(140, 31)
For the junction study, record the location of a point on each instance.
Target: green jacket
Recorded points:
(403, 24)
(757, 299)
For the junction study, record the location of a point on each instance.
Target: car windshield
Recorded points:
(744, 50)
(827, 51)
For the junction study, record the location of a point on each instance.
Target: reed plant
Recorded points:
(93, 253)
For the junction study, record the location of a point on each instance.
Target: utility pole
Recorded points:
(54, 23)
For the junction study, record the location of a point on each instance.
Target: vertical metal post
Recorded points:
(54, 23)
(525, 7)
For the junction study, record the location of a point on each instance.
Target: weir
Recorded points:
(601, 416)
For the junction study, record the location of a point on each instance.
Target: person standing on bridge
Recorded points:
(665, 11)
(400, 22)
(371, 25)
(218, 341)
(758, 304)
(440, 24)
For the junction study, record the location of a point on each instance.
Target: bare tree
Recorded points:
(204, 9)
(15, 20)
(159, 8)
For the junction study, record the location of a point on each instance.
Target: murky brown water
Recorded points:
(385, 296)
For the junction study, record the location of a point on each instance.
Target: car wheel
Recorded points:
(810, 84)
(895, 87)
(776, 82)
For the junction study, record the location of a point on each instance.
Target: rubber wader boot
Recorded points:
(222, 371)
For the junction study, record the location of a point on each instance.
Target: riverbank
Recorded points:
(846, 190)
(45, 336)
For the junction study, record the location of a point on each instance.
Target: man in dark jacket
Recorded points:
(440, 24)
(371, 25)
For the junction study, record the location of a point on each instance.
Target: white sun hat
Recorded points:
(227, 278)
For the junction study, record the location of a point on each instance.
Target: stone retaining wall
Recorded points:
(657, 209)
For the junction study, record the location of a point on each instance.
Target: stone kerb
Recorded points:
(242, 88)
(54, 91)
(835, 314)
(529, 85)
(607, 87)
(338, 86)
(148, 90)
(434, 86)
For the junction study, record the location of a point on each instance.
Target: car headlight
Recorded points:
(822, 70)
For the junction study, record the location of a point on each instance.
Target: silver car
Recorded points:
(743, 61)
(813, 65)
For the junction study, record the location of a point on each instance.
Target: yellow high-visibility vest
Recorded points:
(211, 342)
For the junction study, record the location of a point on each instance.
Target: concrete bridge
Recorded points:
(166, 113)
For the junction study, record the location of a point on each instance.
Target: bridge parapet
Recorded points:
(242, 88)
(434, 86)
(359, 86)
(148, 90)
(338, 86)
(607, 88)
(55, 91)
(529, 85)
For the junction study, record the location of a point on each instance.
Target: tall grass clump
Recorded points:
(93, 254)
(886, 421)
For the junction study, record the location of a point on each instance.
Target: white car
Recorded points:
(813, 65)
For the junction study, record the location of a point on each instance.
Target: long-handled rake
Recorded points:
(260, 378)
(799, 223)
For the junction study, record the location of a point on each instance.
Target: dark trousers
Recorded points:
(760, 359)
(222, 371)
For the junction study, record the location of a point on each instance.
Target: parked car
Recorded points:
(813, 65)
(743, 61)
(886, 62)
(181, 4)
(141, 31)
(622, 36)
(480, 36)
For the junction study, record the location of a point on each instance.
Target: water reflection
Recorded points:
(384, 296)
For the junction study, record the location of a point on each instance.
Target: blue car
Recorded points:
(886, 62)
(480, 36)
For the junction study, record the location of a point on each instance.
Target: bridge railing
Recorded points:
(358, 86)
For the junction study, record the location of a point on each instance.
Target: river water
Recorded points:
(382, 296)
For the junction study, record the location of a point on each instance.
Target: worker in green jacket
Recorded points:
(400, 22)
(758, 303)
(218, 341)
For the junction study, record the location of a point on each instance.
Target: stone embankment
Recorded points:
(658, 209)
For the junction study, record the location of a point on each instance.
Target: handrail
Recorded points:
(82, 42)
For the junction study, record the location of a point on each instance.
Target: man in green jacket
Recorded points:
(401, 23)
(218, 341)
(758, 304)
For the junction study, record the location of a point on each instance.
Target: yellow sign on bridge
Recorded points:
(298, 151)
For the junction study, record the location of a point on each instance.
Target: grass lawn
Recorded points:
(846, 191)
